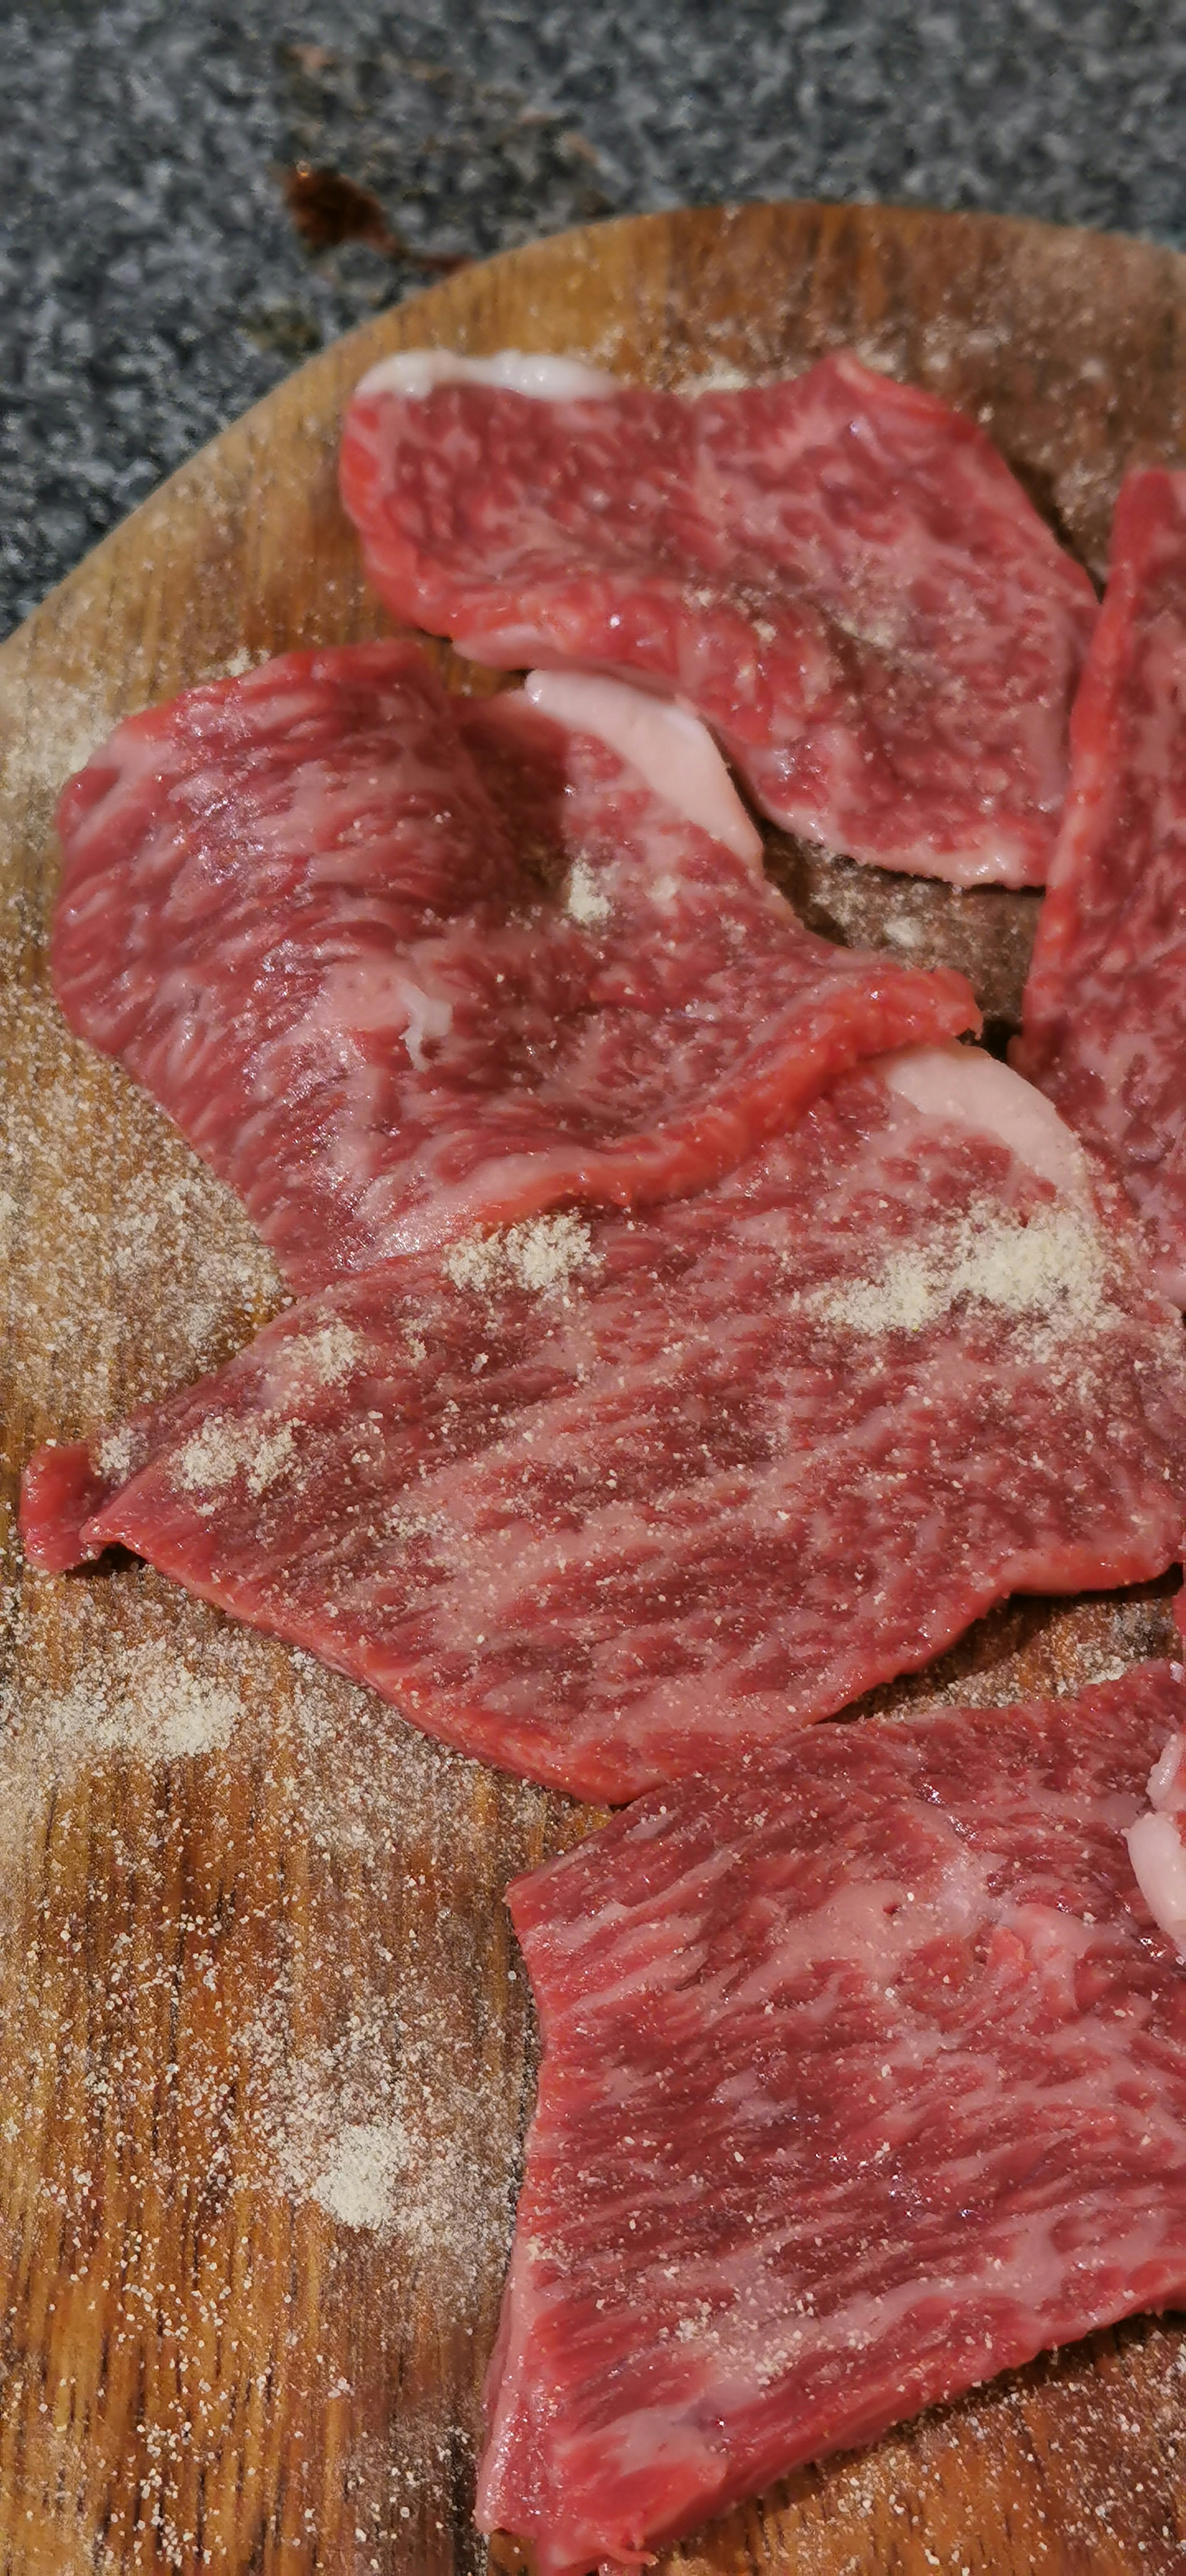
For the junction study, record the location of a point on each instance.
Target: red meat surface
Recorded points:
(864, 2077)
(385, 1011)
(838, 573)
(608, 1499)
(1104, 1014)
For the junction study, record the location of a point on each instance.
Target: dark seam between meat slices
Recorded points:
(838, 573)
(608, 1499)
(387, 1005)
(1104, 1011)
(864, 2077)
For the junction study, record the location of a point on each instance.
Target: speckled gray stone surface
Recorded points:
(152, 285)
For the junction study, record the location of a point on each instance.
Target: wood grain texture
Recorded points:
(267, 2053)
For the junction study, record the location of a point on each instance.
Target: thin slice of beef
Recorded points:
(386, 1004)
(838, 573)
(864, 2077)
(607, 1499)
(1104, 1013)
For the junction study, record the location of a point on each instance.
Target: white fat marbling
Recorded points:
(965, 1084)
(670, 749)
(415, 372)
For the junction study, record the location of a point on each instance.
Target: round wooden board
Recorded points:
(267, 2057)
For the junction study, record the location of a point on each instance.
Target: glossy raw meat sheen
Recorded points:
(383, 1014)
(608, 1500)
(1104, 1015)
(838, 573)
(864, 2077)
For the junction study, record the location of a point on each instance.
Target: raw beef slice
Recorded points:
(608, 1499)
(1104, 1014)
(385, 1011)
(838, 573)
(864, 2077)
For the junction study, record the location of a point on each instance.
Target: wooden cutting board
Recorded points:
(267, 2053)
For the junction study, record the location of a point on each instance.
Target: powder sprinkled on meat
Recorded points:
(584, 898)
(647, 1514)
(212, 1457)
(1053, 1266)
(326, 1356)
(116, 1455)
(542, 1255)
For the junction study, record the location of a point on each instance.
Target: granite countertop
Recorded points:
(153, 284)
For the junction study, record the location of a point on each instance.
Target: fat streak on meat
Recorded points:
(1104, 1013)
(608, 1499)
(291, 909)
(864, 2077)
(838, 573)
(1155, 1842)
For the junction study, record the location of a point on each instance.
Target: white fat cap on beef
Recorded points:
(1155, 1844)
(1167, 1779)
(415, 372)
(965, 1084)
(670, 748)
